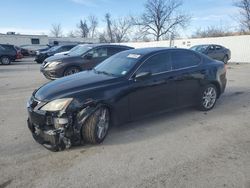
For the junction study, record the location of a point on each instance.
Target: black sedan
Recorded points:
(40, 57)
(129, 85)
(80, 58)
(214, 51)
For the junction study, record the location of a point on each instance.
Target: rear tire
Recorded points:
(5, 60)
(208, 97)
(95, 129)
(71, 70)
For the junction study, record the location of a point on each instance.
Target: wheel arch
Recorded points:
(217, 85)
(90, 110)
(70, 66)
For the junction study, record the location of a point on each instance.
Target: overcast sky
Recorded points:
(36, 16)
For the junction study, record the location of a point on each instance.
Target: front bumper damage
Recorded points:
(51, 136)
(53, 139)
(58, 130)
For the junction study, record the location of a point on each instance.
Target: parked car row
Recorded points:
(31, 50)
(42, 55)
(118, 85)
(80, 58)
(10, 53)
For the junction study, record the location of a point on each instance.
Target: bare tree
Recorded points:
(83, 29)
(121, 28)
(56, 30)
(93, 21)
(109, 27)
(244, 6)
(161, 17)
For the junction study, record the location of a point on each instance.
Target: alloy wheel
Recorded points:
(209, 97)
(102, 123)
(5, 61)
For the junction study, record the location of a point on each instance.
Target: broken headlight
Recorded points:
(57, 105)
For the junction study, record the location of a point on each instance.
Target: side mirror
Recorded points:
(88, 56)
(142, 76)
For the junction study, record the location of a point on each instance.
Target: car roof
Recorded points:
(146, 51)
(105, 45)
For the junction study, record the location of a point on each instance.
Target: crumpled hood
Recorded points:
(67, 86)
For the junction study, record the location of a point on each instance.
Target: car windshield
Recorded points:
(200, 48)
(118, 65)
(79, 50)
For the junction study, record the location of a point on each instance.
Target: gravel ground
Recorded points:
(185, 148)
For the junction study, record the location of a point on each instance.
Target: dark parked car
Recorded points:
(31, 49)
(125, 87)
(82, 57)
(214, 51)
(46, 48)
(51, 51)
(14, 49)
(7, 55)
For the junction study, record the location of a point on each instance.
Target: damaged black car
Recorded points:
(128, 86)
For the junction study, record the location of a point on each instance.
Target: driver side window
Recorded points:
(98, 53)
(157, 64)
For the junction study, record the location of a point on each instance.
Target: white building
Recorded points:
(19, 40)
(239, 45)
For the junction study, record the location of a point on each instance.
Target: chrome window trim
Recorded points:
(172, 70)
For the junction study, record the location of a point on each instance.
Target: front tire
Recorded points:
(208, 97)
(5, 60)
(95, 129)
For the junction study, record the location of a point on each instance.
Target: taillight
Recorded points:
(19, 55)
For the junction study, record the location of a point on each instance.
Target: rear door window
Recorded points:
(99, 52)
(218, 48)
(185, 59)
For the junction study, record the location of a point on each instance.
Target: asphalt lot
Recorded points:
(185, 148)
